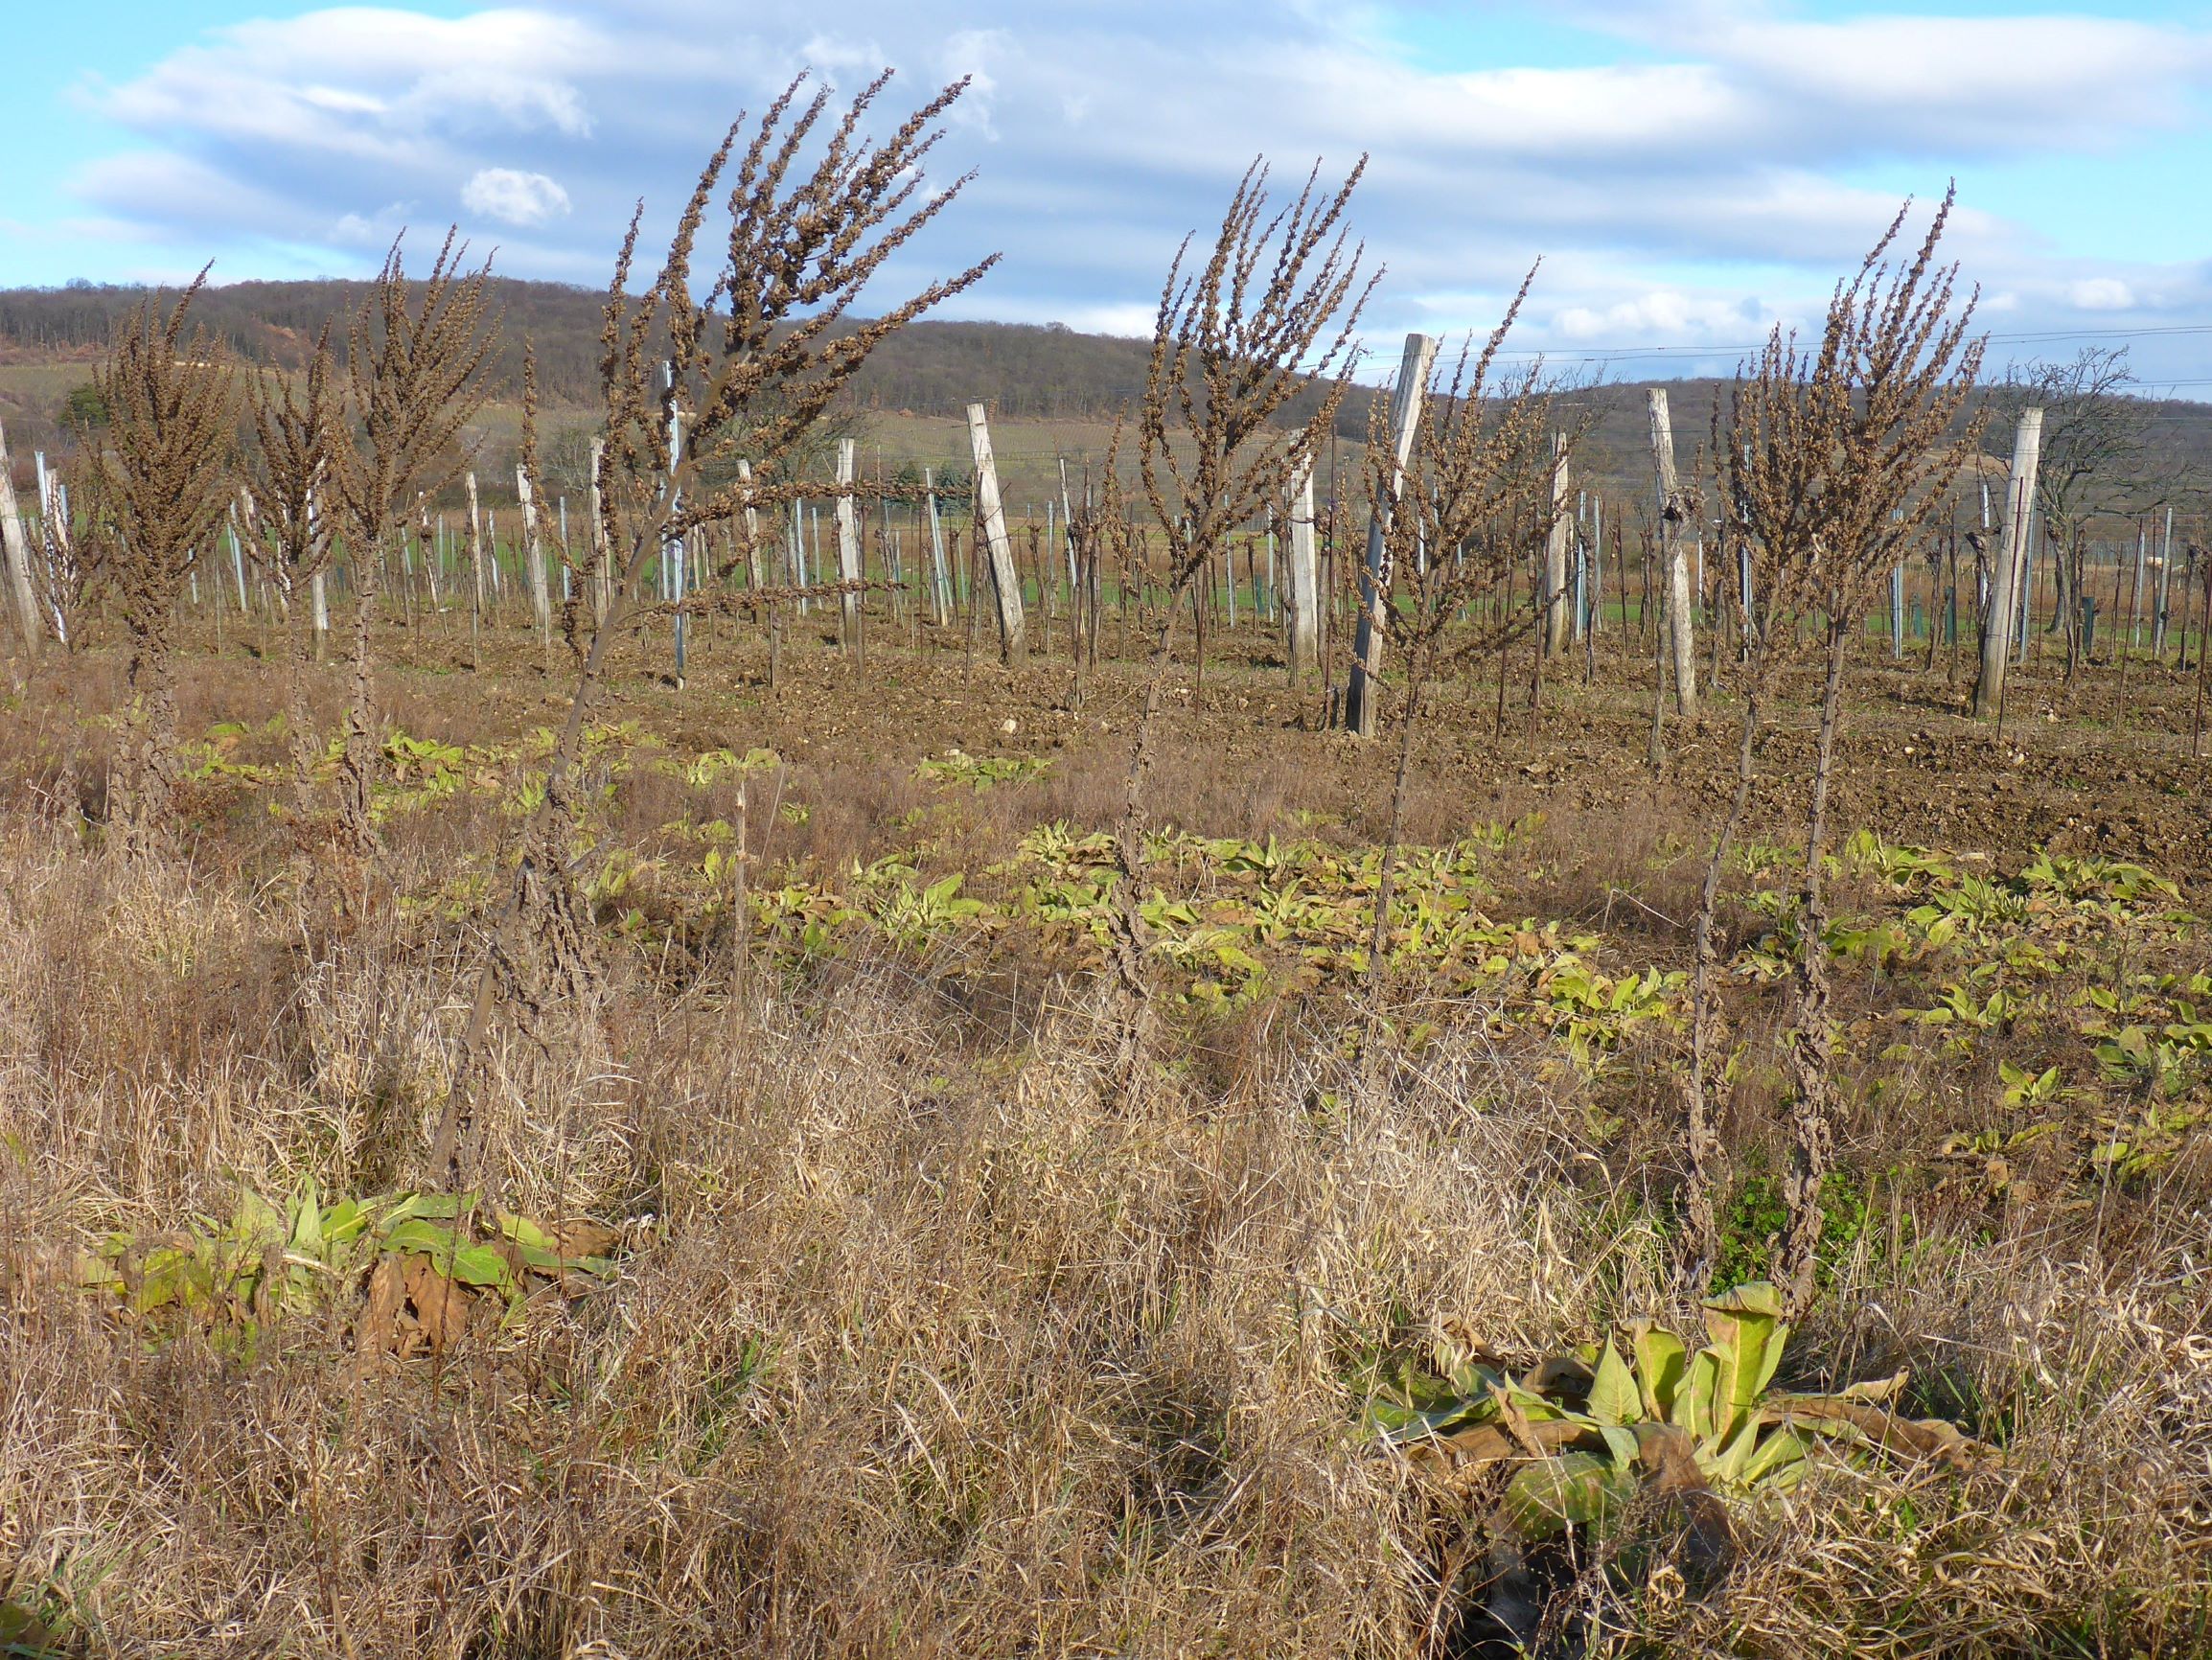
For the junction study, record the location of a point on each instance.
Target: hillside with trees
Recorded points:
(1022, 372)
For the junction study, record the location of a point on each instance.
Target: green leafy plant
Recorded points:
(236, 1279)
(982, 771)
(25, 1636)
(1585, 1439)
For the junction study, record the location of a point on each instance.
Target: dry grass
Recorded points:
(925, 1341)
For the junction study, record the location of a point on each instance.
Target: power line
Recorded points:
(2042, 337)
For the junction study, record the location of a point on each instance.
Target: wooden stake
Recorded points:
(849, 555)
(17, 548)
(2006, 589)
(1555, 590)
(1673, 515)
(991, 527)
(1304, 608)
(1361, 695)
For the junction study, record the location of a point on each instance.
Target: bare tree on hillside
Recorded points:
(2097, 457)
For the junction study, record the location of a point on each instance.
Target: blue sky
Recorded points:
(1691, 171)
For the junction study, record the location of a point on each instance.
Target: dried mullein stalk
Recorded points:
(1475, 498)
(161, 476)
(1832, 459)
(415, 359)
(1267, 317)
(693, 386)
(298, 430)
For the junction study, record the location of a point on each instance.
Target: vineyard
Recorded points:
(1295, 1029)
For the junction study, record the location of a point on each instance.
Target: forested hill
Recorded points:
(934, 368)
(1022, 372)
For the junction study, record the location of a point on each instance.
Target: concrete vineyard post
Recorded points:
(886, 543)
(60, 552)
(318, 585)
(674, 551)
(236, 562)
(795, 553)
(991, 520)
(2165, 573)
(1681, 639)
(1041, 559)
(1304, 577)
(475, 546)
(1270, 596)
(942, 584)
(751, 525)
(2006, 583)
(1229, 564)
(600, 554)
(1360, 711)
(1555, 590)
(17, 547)
(534, 558)
(2135, 595)
(848, 554)
(244, 529)
(1597, 564)
(568, 559)
(1582, 585)
(1068, 535)
(426, 534)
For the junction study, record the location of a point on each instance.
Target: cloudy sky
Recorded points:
(1689, 171)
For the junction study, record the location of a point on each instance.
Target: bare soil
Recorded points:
(2092, 767)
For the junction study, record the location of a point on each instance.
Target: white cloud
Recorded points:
(373, 230)
(382, 84)
(1663, 317)
(2103, 294)
(513, 197)
(1708, 181)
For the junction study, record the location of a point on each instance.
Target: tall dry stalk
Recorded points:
(415, 373)
(298, 431)
(160, 475)
(1834, 459)
(749, 369)
(530, 490)
(1474, 498)
(1269, 314)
